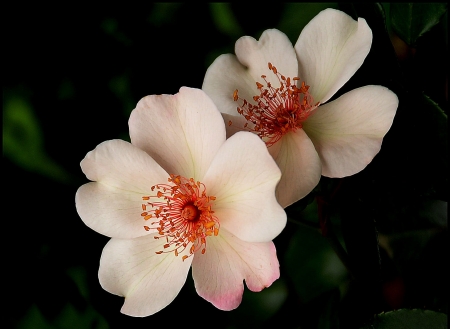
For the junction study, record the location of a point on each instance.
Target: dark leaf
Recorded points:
(409, 319)
(310, 261)
(411, 20)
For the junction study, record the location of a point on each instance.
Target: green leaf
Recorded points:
(69, 318)
(409, 319)
(411, 20)
(23, 140)
(310, 261)
(225, 20)
(163, 13)
(435, 124)
(33, 319)
(438, 116)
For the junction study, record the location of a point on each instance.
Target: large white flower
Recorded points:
(180, 194)
(279, 92)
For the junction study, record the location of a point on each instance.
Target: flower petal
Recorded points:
(124, 173)
(300, 166)
(235, 123)
(330, 49)
(228, 72)
(149, 282)
(243, 177)
(223, 77)
(110, 211)
(219, 273)
(274, 47)
(348, 131)
(181, 132)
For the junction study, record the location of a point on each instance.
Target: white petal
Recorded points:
(148, 281)
(228, 72)
(274, 47)
(182, 132)
(243, 177)
(330, 49)
(111, 211)
(124, 173)
(228, 261)
(222, 78)
(300, 166)
(235, 123)
(348, 131)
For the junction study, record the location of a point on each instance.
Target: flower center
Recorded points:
(184, 215)
(189, 212)
(277, 110)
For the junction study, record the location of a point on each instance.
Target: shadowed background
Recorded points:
(72, 75)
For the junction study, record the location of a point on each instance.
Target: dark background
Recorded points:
(71, 76)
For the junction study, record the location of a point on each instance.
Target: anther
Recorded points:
(185, 216)
(277, 110)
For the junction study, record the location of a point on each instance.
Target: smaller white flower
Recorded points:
(279, 92)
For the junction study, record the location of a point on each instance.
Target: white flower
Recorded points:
(180, 194)
(280, 92)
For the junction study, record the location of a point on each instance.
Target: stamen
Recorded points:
(277, 110)
(184, 215)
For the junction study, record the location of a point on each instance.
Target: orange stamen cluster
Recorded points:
(184, 215)
(277, 110)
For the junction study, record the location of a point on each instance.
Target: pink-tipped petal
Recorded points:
(228, 261)
(148, 281)
(241, 72)
(300, 166)
(123, 174)
(348, 131)
(243, 177)
(182, 132)
(330, 49)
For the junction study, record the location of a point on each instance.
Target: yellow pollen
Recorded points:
(183, 215)
(277, 110)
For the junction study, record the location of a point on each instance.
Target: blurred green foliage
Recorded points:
(311, 263)
(22, 139)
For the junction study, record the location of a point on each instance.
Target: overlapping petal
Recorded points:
(348, 131)
(229, 72)
(220, 272)
(223, 77)
(181, 132)
(243, 177)
(330, 49)
(273, 46)
(300, 166)
(148, 281)
(123, 174)
(235, 123)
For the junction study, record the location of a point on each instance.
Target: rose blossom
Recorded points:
(181, 195)
(280, 92)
